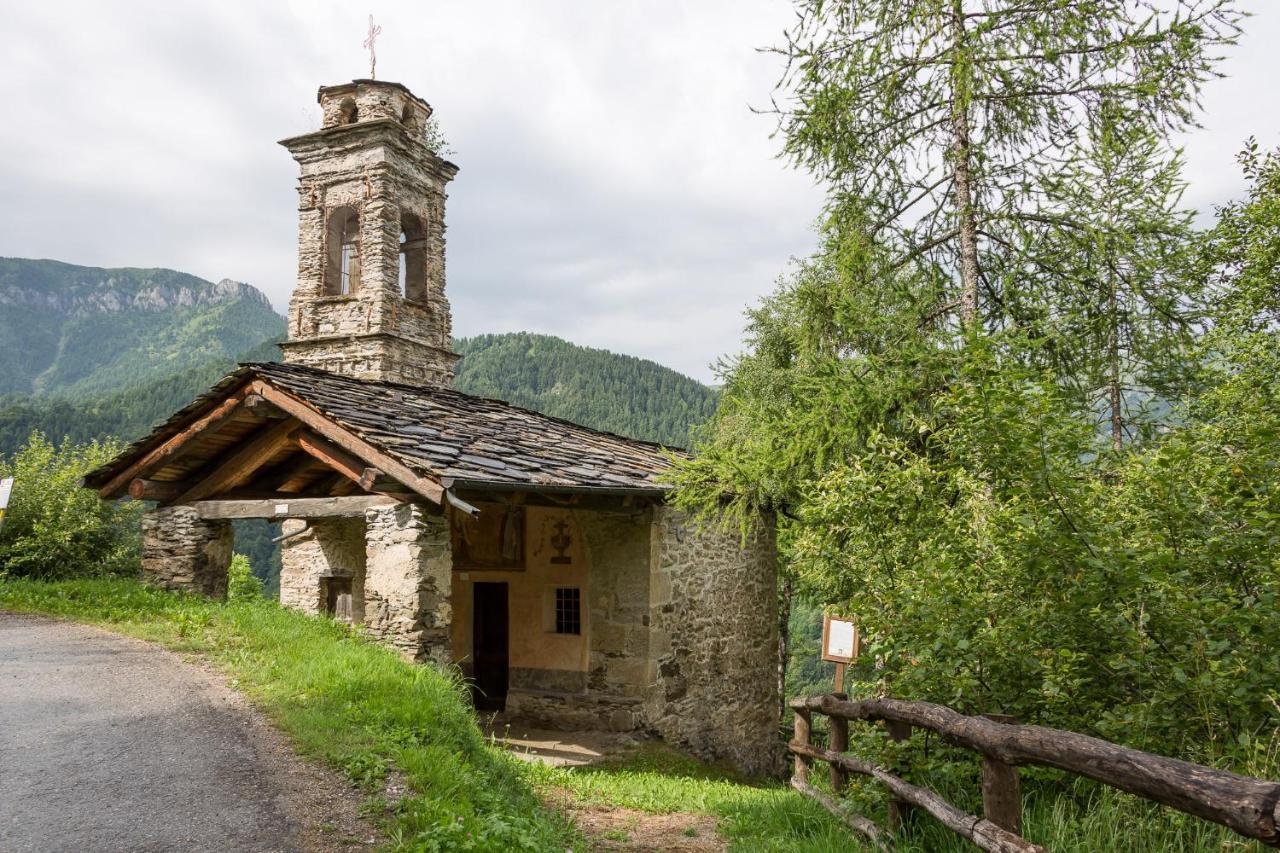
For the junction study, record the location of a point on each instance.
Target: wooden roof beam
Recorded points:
(352, 505)
(236, 469)
(165, 452)
(335, 457)
(352, 443)
(293, 468)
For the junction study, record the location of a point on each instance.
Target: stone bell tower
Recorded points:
(370, 297)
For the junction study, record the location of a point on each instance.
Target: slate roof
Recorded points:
(446, 435)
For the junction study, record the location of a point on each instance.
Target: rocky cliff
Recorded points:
(70, 330)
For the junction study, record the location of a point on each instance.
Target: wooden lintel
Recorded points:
(605, 502)
(291, 507)
(352, 443)
(248, 458)
(156, 490)
(158, 456)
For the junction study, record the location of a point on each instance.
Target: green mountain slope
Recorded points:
(72, 331)
(594, 387)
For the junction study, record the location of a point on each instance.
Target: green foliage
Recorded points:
(342, 699)
(954, 493)
(253, 539)
(241, 581)
(941, 126)
(128, 413)
(56, 529)
(592, 387)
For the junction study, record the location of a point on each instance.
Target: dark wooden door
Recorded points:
(489, 645)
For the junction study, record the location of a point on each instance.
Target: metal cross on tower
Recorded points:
(374, 32)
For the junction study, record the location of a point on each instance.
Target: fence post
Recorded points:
(839, 743)
(1001, 788)
(898, 809)
(803, 726)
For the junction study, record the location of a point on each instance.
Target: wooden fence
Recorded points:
(1249, 806)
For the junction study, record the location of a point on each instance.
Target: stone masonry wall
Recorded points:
(182, 552)
(329, 547)
(408, 567)
(714, 641)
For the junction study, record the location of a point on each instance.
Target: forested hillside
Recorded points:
(597, 388)
(619, 393)
(72, 331)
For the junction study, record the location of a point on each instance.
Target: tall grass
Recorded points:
(344, 701)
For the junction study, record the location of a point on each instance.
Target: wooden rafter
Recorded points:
(336, 458)
(352, 443)
(166, 451)
(241, 465)
(293, 468)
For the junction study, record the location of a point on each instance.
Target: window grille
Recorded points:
(568, 610)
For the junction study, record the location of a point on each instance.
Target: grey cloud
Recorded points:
(615, 189)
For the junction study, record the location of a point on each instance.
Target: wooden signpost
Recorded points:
(840, 644)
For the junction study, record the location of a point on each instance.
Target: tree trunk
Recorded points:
(966, 224)
(784, 642)
(1113, 367)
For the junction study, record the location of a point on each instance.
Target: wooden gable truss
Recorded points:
(261, 452)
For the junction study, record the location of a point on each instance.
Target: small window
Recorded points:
(413, 258)
(568, 610)
(342, 269)
(347, 112)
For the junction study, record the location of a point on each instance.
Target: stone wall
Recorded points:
(330, 547)
(182, 552)
(408, 563)
(714, 641)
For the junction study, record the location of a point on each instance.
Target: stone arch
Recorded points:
(347, 111)
(342, 252)
(413, 257)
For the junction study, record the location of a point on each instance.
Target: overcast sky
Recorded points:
(615, 188)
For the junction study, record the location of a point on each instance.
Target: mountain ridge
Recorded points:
(71, 330)
(125, 347)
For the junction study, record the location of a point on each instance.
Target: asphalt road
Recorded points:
(110, 744)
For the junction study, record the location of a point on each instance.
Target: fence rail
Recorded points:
(1249, 806)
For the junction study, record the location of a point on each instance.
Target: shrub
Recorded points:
(54, 527)
(241, 581)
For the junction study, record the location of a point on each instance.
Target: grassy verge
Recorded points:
(658, 780)
(342, 700)
(1080, 818)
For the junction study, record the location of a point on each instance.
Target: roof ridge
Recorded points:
(420, 389)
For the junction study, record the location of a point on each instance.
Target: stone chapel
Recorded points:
(536, 555)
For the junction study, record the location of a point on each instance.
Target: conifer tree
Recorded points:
(1126, 306)
(936, 122)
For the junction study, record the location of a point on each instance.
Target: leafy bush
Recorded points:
(241, 581)
(55, 528)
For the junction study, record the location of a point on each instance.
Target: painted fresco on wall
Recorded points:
(493, 540)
